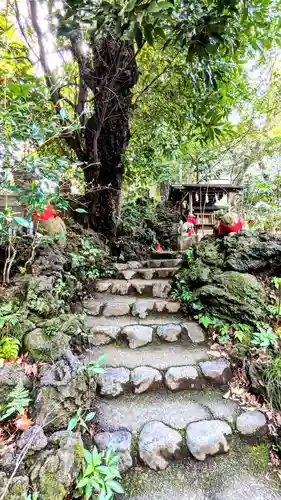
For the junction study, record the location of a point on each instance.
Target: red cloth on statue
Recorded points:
(158, 248)
(225, 229)
(48, 213)
(191, 219)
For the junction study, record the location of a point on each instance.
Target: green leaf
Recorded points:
(90, 416)
(158, 6)
(21, 221)
(148, 34)
(81, 210)
(115, 486)
(83, 482)
(72, 424)
(88, 456)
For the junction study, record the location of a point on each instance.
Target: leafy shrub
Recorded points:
(80, 419)
(9, 348)
(98, 479)
(264, 338)
(271, 378)
(18, 400)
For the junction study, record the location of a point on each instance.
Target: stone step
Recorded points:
(148, 288)
(152, 263)
(148, 273)
(138, 332)
(117, 381)
(243, 474)
(159, 356)
(110, 305)
(157, 428)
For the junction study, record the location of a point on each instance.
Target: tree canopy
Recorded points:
(112, 91)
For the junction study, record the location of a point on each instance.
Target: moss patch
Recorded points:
(259, 456)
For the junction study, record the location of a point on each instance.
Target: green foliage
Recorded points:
(264, 338)
(33, 496)
(271, 378)
(93, 367)
(243, 333)
(18, 400)
(8, 317)
(84, 265)
(80, 420)
(98, 479)
(9, 348)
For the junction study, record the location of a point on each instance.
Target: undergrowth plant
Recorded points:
(271, 378)
(18, 401)
(81, 420)
(264, 337)
(9, 349)
(99, 476)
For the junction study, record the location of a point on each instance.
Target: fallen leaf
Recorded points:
(22, 422)
(227, 395)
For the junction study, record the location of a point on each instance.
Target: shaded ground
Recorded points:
(243, 474)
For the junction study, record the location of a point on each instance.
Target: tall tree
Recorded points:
(105, 39)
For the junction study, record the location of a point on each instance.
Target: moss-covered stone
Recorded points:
(234, 296)
(50, 488)
(213, 276)
(43, 347)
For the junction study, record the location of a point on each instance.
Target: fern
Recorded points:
(9, 348)
(18, 400)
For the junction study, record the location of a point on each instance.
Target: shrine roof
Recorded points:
(210, 187)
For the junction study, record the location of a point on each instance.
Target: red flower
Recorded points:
(48, 213)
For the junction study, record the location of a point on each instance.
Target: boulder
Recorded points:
(239, 297)
(42, 347)
(252, 423)
(145, 378)
(57, 469)
(223, 275)
(138, 335)
(18, 489)
(158, 444)
(207, 438)
(39, 297)
(120, 442)
(10, 376)
(194, 332)
(217, 371)
(169, 332)
(8, 457)
(113, 381)
(179, 378)
(63, 390)
(33, 439)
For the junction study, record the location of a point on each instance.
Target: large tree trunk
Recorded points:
(107, 131)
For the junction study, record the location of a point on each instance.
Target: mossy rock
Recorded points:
(68, 324)
(45, 348)
(233, 296)
(210, 251)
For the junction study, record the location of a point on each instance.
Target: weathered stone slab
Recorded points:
(217, 371)
(194, 331)
(138, 335)
(116, 309)
(158, 444)
(207, 438)
(180, 378)
(252, 423)
(146, 379)
(169, 332)
(113, 381)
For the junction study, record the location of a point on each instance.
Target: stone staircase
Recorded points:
(161, 394)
